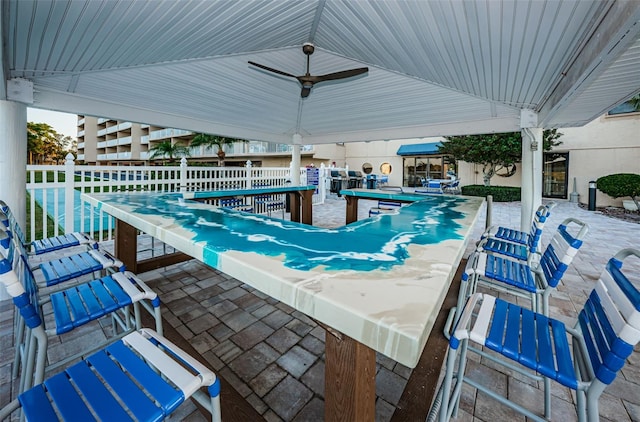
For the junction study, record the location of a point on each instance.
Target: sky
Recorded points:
(64, 123)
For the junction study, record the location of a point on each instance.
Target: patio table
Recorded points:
(353, 195)
(300, 198)
(376, 285)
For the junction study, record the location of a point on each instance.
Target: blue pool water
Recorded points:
(373, 243)
(78, 223)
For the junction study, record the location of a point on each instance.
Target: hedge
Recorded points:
(499, 193)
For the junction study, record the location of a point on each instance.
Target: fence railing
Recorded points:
(57, 190)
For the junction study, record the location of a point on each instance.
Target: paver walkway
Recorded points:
(274, 356)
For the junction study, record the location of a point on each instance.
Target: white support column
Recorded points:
(531, 175)
(295, 160)
(13, 159)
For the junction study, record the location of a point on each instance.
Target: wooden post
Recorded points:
(294, 206)
(126, 245)
(307, 207)
(350, 380)
(352, 209)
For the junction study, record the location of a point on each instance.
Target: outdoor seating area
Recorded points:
(523, 337)
(273, 356)
(156, 376)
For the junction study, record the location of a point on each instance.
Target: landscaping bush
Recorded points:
(620, 185)
(499, 193)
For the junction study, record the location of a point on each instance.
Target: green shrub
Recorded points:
(620, 185)
(499, 193)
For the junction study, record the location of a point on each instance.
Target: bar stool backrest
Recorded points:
(561, 250)
(610, 319)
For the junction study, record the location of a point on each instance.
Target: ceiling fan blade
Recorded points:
(270, 69)
(341, 75)
(305, 92)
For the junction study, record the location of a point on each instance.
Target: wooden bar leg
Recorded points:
(126, 245)
(307, 207)
(294, 206)
(349, 380)
(352, 209)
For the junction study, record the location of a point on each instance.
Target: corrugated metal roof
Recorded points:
(436, 68)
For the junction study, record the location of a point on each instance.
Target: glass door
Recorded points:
(555, 175)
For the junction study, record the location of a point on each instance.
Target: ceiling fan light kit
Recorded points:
(307, 80)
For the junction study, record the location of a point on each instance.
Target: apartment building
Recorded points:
(104, 141)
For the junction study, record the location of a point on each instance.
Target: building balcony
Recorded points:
(168, 133)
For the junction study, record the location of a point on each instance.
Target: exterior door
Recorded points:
(555, 175)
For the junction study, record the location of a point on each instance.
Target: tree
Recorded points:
(495, 151)
(42, 142)
(170, 150)
(635, 102)
(621, 185)
(211, 141)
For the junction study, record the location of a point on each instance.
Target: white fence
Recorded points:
(60, 197)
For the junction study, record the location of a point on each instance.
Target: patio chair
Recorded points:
(452, 188)
(516, 244)
(534, 282)
(385, 207)
(141, 376)
(268, 202)
(113, 295)
(71, 266)
(235, 204)
(46, 245)
(431, 187)
(585, 358)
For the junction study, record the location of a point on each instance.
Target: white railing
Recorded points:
(57, 189)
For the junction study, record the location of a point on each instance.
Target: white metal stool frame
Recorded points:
(607, 330)
(142, 374)
(77, 305)
(533, 282)
(514, 243)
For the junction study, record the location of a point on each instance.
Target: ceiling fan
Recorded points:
(307, 80)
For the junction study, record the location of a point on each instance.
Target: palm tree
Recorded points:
(170, 150)
(210, 141)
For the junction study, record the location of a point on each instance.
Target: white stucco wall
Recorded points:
(605, 146)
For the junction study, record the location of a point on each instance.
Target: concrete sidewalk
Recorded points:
(274, 356)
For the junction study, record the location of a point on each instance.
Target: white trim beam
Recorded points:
(619, 28)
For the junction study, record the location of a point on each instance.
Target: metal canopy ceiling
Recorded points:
(436, 67)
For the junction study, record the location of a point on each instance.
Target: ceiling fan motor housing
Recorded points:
(308, 48)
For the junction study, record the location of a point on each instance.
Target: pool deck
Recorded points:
(273, 356)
